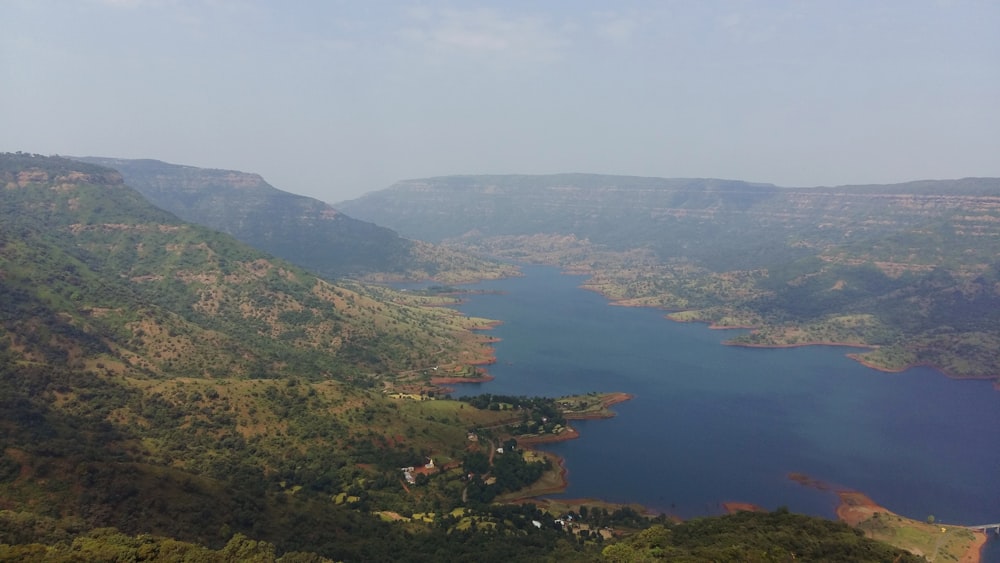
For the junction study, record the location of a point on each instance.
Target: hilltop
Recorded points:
(910, 270)
(162, 378)
(168, 392)
(299, 229)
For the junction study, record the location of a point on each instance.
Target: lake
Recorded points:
(713, 423)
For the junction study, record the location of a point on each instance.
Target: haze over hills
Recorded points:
(160, 377)
(176, 276)
(157, 377)
(302, 230)
(913, 269)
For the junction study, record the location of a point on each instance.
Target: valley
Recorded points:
(166, 387)
(909, 271)
(302, 230)
(497, 282)
(711, 425)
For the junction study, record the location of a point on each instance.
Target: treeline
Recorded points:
(509, 472)
(503, 533)
(539, 407)
(777, 536)
(500, 533)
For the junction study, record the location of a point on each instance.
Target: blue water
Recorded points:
(713, 423)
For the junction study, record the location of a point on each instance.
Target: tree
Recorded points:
(619, 553)
(242, 548)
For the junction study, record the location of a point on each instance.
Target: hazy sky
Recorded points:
(333, 99)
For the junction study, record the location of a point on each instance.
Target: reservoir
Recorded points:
(712, 423)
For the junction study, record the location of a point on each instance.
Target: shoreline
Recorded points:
(488, 325)
(734, 507)
(859, 511)
(868, 364)
(570, 433)
(854, 508)
(607, 401)
(857, 358)
(857, 508)
(449, 380)
(846, 510)
(621, 302)
(798, 344)
(486, 357)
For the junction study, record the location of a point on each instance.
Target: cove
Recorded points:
(713, 423)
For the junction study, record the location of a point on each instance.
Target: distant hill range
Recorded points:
(723, 224)
(302, 230)
(90, 269)
(168, 392)
(912, 268)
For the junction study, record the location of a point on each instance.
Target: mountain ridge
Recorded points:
(167, 391)
(303, 230)
(908, 269)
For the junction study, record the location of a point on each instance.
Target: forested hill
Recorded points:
(169, 393)
(723, 224)
(912, 268)
(619, 211)
(163, 296)
(162, 378)
(302, 230)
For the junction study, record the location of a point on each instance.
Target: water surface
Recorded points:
(713, 423)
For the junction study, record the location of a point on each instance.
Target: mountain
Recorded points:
(911, 269)
(97, 254)
(619, 212)
(170, 393)
(160, 377)
(302, 230)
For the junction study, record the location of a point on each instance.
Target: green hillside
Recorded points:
(910, 269)
(158, 377)
(302, 230)
(169, 393)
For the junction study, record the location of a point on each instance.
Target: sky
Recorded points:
(334, 99)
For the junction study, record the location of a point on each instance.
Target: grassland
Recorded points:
(934, 542)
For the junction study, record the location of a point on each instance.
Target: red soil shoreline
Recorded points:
(797, 344)
(855, 507)
(489, 325)
(569, 433)
(734, 507)
(848, 508)
(713, 326)
(854, 357)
